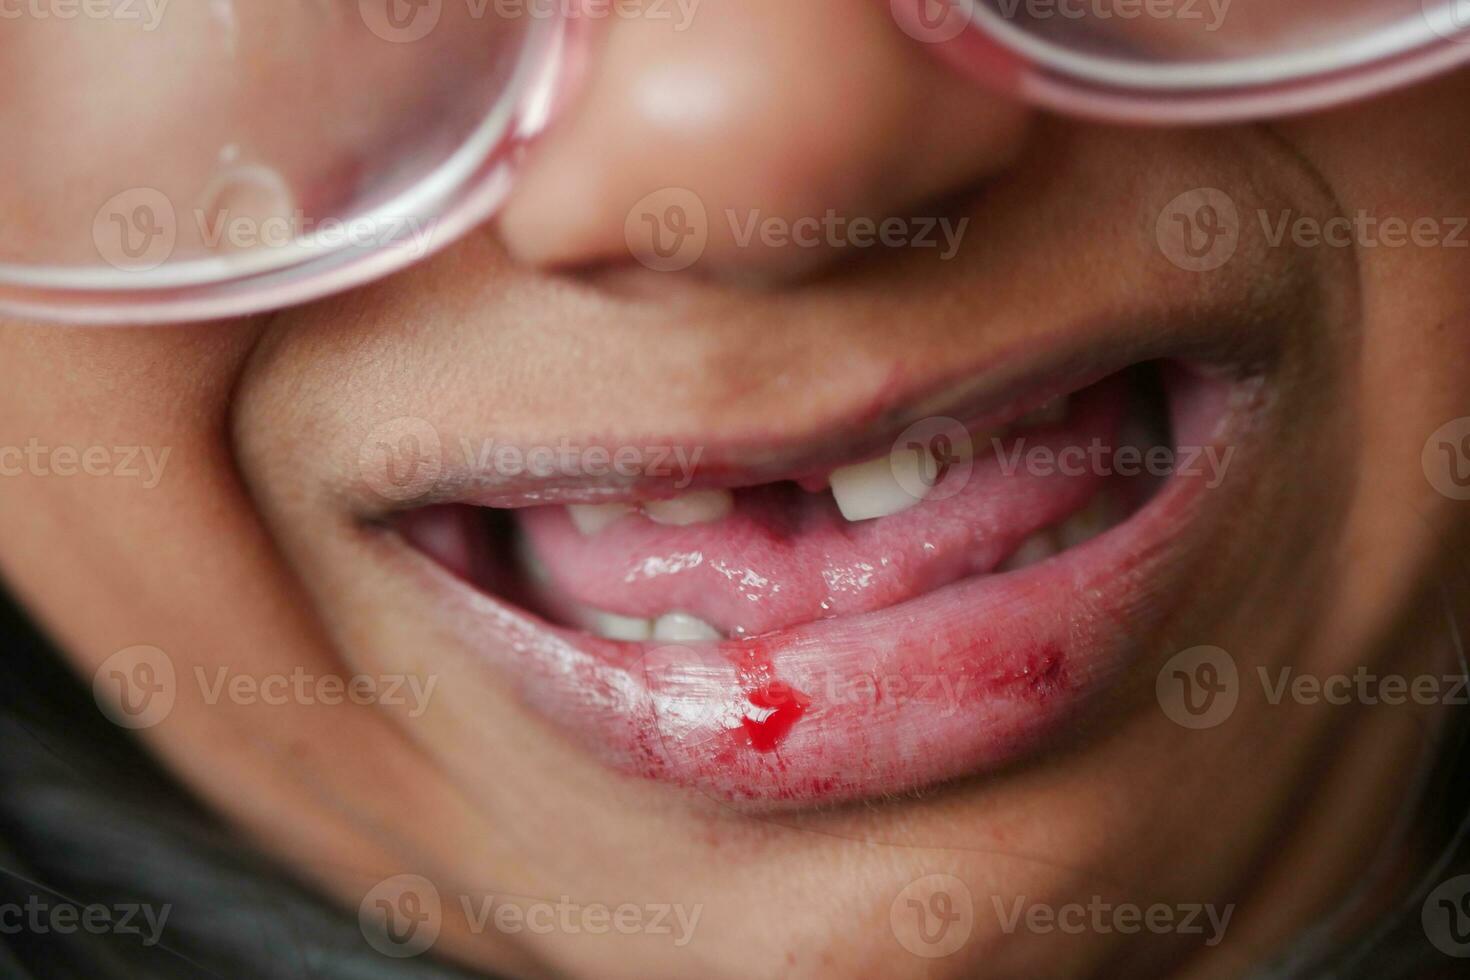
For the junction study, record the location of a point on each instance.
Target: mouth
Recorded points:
(932, 596)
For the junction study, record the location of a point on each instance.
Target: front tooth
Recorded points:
(611, 626)
(680, 627)
(883, 486)
(699, 507)
(592, 518)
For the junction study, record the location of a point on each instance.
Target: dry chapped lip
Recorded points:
(823, 639)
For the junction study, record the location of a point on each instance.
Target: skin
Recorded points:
(250, 553)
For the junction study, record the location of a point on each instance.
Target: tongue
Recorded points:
(786, 556)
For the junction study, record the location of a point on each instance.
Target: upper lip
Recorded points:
(984, 397)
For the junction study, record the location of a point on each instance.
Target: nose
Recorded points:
(763, 128)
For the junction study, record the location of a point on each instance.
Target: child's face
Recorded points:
(495, 756)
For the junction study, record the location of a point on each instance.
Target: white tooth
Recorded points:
(680, 627)
(614, 627)
(1051, 413)
(1034, 550)
(592, 518)
(699, 507)
(880, 487)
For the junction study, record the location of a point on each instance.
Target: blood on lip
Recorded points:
(775, 706)
(781, 706)
(1039, 676)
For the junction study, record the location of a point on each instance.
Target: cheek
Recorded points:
(181, 563)
(98, 548)
(115, 429)
(1414, 369)
(152, 543)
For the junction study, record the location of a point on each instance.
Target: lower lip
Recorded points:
(957, 682)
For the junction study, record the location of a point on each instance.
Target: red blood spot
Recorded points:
(1049, 677)
(1041, 676)
(783, 706)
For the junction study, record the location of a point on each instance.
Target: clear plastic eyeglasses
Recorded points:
(183, 161)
